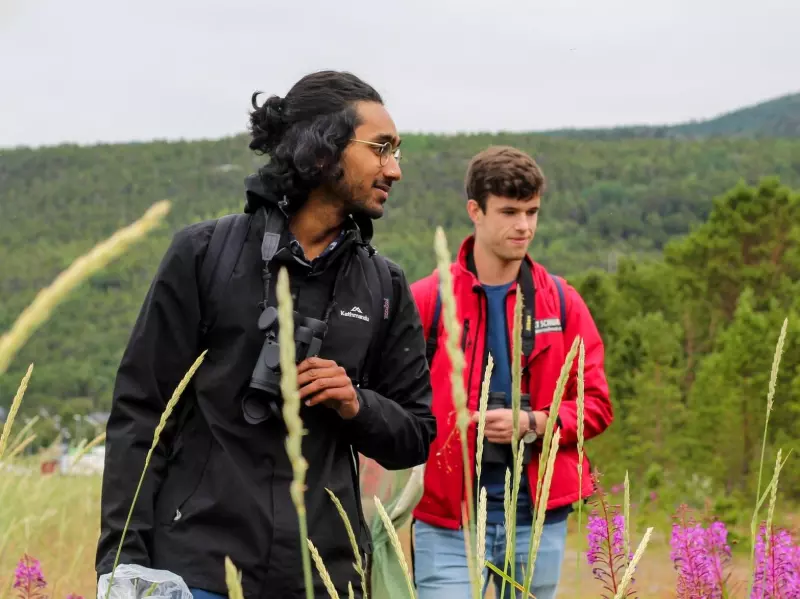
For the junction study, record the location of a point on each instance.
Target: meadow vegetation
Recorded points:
(53, 519)
(684, 242)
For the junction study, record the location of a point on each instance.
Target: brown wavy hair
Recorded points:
(503, 171)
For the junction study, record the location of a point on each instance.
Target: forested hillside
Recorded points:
(690, 343)
(779, 117)
(690, 337)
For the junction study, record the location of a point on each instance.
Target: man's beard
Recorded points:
(355, 199)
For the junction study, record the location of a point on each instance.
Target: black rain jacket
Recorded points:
(217, 486)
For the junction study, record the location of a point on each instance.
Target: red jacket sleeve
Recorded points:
(598, 411)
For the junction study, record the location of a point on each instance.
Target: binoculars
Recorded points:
(266, 377)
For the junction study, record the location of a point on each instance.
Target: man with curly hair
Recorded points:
(219, 481)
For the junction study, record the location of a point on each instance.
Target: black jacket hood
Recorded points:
(257, 195)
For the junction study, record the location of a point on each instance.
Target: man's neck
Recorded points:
(316, 225)
(493, 270)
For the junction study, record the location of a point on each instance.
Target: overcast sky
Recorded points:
(117, 70)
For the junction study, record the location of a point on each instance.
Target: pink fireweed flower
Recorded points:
(701, 557)
(606, 554)
(28, 578)
(777, 572)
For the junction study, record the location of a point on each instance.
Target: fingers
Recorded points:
(315, 362)
(332, 396)
(318, 373)
(498, 437)
(324, 384)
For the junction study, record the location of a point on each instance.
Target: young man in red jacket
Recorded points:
(504, 188)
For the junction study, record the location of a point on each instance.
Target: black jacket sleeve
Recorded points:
(161, 349)
(395, 425)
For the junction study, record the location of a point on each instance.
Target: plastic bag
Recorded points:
(138, 582)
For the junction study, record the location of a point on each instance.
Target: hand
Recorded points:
(327, 383)
(499, 426)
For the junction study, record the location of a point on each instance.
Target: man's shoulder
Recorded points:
(426, 286)
(395, 269)
(545, 278)
(194, 236)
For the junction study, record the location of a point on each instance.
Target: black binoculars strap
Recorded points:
(274, 222)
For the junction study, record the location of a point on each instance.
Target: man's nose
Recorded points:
(391, 170)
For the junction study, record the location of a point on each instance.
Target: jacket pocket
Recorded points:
(184, 473)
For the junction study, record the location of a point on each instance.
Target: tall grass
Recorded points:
(776, 360)
(28, 487)
(79, 271)
(291, 416)
(173, 401)
(453, 328)
(581, 408)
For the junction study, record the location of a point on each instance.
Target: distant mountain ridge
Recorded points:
(778, 117)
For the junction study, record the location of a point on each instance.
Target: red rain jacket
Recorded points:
(444, 475)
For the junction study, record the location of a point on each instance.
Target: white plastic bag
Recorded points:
(138, 582)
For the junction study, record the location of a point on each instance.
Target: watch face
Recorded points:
(530, 437)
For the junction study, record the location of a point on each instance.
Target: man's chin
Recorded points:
(373, 210)
(516, 254)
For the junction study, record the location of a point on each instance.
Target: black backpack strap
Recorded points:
(223, 252)
(433, 333)
(562, 302)
(379, 282)
(224, 247)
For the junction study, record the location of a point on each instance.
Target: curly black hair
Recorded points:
(305, 133)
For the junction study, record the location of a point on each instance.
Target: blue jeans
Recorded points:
(201, 594)
(440, 564)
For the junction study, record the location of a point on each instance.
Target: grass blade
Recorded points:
(507, 579)
(233, 580)
(81, 269)
(541, 509)
(291, 417)
(323, 571)
(628, 575)
(395, 541)
(12, 413)
(482, 407)
(776, 360)
(581, 401)
(626, 511)
(453, 328)
(358, 565)
(156, 436)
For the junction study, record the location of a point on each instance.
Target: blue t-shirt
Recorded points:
(493, 476)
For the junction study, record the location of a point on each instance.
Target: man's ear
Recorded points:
(474, 211)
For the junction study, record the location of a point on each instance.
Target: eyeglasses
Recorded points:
(386, 150)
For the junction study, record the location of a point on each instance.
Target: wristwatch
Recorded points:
(531, 435)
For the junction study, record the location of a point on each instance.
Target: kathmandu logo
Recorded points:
(355, 312)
